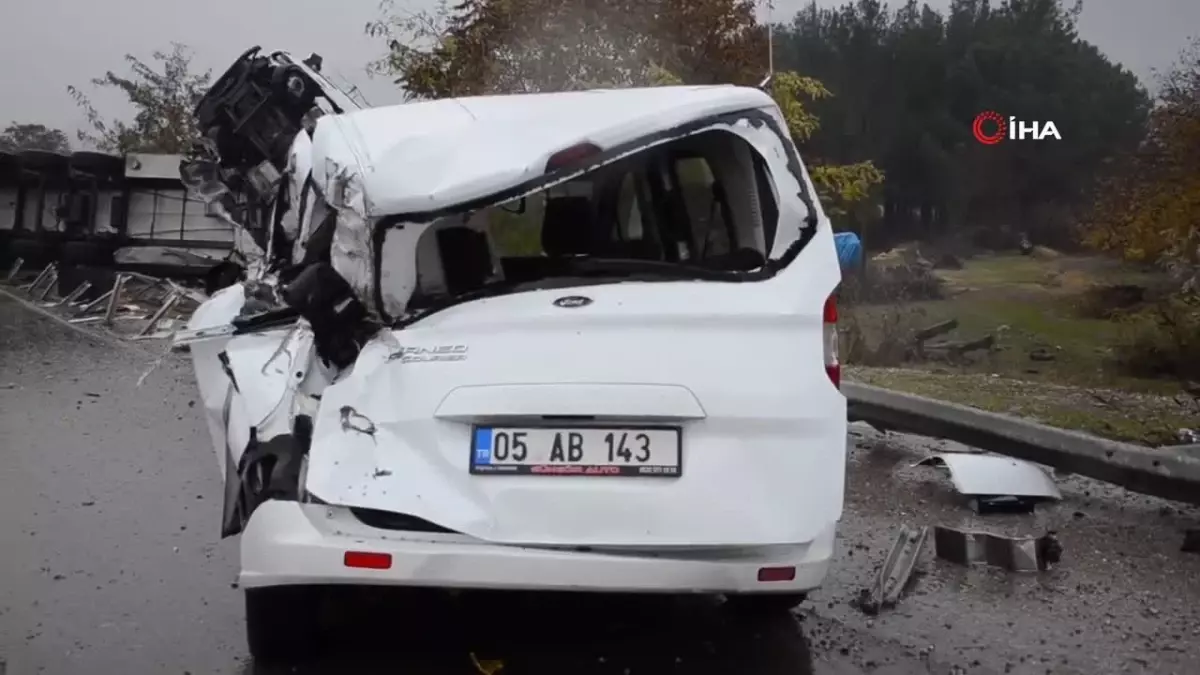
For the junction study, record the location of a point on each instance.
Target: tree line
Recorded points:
(881, 99)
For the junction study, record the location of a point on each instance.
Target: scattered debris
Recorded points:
(133, 296)
(1015, 554)
(956, 349)
(997, 483)
(921, 349)
(352, 420)
(1042, 354)
(895, 573)
(935, 330)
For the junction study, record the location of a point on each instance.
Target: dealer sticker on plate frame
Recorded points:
(644, 451)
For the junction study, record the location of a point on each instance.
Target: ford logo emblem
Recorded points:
(573, 301)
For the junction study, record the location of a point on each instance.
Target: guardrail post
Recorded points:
(94, 303)
(49, 286)
(39, 278)
(114, 299)
(74, 295)
(158, 315)
(14, 270)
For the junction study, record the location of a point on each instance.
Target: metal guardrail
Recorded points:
(1171, 472)
(124, 302)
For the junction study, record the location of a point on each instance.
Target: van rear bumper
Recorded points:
(287, 543)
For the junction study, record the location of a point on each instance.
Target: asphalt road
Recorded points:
(110, 563)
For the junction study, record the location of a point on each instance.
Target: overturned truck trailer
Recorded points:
(576, 341)
(94, 214)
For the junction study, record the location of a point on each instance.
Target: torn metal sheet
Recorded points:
(997, 483)
(486, 153)
(896, 571)
(1016, 554)
(169, 255)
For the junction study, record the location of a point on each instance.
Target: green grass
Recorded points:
(1136, 417)
(1031, 305)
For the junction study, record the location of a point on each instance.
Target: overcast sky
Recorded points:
(46, 45)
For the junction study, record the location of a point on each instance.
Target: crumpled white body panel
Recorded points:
(353, 254)
(738, 366)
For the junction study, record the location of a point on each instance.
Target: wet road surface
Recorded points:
(110, 563)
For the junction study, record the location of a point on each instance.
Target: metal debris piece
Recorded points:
(896, 571)
(997, 483)
(98, 319)
(1015, 554)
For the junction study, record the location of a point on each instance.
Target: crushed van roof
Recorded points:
(430, 155)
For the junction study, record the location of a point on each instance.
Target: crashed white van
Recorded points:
(577, 341)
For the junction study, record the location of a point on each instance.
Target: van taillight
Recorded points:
(833, 367)
(573, 155)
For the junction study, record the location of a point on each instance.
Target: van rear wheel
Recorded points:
(764, 604)
(282, 623)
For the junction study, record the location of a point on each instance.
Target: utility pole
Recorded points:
(768, 81)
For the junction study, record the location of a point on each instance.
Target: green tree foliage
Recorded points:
(842, 186)
(33, 137)
(1148, 208)
(908, 82)
(163, 94)
(515, 46)
(519, 46)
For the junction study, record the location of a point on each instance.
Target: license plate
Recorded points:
(654, 452)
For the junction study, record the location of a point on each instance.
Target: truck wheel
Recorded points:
(282, 623)
(764, 604)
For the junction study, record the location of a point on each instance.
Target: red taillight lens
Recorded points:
(367, 560)
(766, 574)
(833, 367)
(572, 155)
(831, 315)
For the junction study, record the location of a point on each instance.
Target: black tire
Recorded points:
(764, 604)
(282, 623)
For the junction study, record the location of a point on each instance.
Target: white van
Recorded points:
(601, 356)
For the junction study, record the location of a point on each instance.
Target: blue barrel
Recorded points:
(849, 249)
